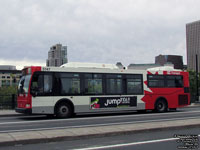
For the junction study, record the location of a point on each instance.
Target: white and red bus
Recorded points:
(82, 88)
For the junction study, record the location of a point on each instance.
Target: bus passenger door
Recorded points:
(42, 93)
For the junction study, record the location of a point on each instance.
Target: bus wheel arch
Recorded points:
(64, 108)
(161, 105)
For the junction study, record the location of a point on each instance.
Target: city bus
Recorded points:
(87, 88)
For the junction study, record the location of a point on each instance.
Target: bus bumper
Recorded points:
(23, 110)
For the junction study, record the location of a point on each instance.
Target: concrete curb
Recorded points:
(10, 115)
(31, 137)
(5, 113)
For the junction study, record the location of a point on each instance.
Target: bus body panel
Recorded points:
(150, 100)
(24, 104)
(172, 95)
(175, 97)
(45, 105)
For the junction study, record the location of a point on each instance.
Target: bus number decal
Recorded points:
(107, 102)
(45, 69)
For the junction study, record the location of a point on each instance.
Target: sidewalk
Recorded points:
(195, 104)
(8, 112)
(43, 136)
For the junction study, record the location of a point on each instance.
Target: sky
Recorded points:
(96, 31)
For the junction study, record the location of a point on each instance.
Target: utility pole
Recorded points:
(197, 79)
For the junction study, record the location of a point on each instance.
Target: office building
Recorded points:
(193, 44)
(175, 60)
(57, 55)
(9, 76)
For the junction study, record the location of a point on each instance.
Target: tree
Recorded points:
(9, 90)
(193, 84)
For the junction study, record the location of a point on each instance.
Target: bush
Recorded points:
(6, 97)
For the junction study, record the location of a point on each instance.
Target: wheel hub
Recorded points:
(64, 110)
(160, 106)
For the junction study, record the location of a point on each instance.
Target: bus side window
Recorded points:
(134, 84)
(114, 84)
(37, 84)
(47, 83)
(93, 84)
(67, 83)
(175, 81)
(57, 84)
(41, 84)
(156, 81)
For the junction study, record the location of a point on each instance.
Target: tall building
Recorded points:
(193, 44)
(57, 55)
(176, 60)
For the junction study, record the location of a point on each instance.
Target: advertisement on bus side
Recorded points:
(113, 102)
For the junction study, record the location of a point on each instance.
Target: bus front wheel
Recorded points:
(161, 106)
(63, 110)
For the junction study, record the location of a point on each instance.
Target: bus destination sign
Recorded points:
(107, 102)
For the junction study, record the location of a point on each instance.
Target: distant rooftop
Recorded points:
(7, 67)
(142, 66)
(193, 22)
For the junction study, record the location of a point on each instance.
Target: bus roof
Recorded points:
(89, 65)
(100, 68)
(163, 68)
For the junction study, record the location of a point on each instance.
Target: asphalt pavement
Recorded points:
(43, 136)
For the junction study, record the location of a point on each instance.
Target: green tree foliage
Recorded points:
(193, 84)
(8, 90)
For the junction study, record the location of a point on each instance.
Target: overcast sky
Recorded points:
(102, 31)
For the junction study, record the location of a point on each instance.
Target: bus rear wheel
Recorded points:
(63, 110)
(161, 106)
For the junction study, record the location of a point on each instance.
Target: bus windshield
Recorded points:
(24, 84)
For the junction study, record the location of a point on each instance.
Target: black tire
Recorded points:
(63, 110)
(161, 106)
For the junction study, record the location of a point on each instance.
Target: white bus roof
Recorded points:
(103, 68)
(89, 65)
(163, 68)
(111, 66)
